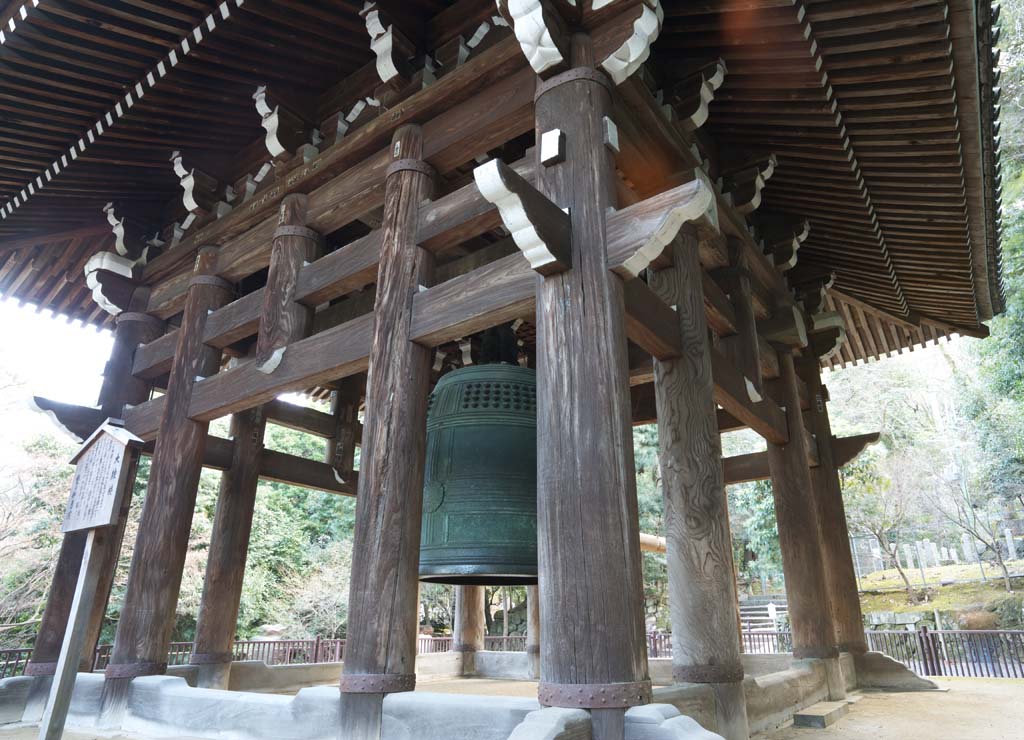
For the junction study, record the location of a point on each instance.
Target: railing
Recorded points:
(970, 653)
(13, 662)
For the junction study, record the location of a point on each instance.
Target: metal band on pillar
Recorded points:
(708, 673)
(40, 669)
(595, 695)
(134, 670)
(377, 683)
(579, 73)
(410, 165)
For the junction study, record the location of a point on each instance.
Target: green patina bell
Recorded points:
(480, 485)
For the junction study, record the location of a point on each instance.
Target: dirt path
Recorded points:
(972, 709)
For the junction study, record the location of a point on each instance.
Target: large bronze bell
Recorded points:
(480, 485)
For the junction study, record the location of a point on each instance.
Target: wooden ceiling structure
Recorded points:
(882, 116)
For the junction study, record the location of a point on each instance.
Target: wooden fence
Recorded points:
(972, 653)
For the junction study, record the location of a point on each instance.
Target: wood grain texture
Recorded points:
(469, 626)
(702, 585)
(283, 319)
(588, 541)
(383, 593)
(217, 620)
(148, 612)
(835, 540)
(119, 388)
(799, 532)
(533, 636)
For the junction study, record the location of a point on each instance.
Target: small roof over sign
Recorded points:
(113, 428)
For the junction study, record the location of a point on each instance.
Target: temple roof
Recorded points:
(881, 114)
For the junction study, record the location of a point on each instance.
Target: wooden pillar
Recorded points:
(217, 621)
(119, 387)
(470, 626)
(839, 570)
(283, 320)
(341, 448)
(380, 651)
(593, 654)
(799, 534)
(147, 616)
(532, 632)
(701, 580)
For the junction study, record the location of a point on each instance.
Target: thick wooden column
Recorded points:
(119, 387)
(532, 632)
(470, 626)
(147, 616)
(380, 652)
(701, 580)
(839, 571)
(283, 320)
(217, 621)
(810, 614)
(593, 654)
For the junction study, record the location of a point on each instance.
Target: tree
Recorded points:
(874, 507)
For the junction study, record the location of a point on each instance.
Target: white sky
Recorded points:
(44, 356)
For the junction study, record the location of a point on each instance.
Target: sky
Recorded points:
(44, 356)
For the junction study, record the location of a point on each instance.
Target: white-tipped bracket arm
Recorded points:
(536, 28)
(199, 190)
(743, 186)
(388, 44)
(690, 99)
(643, 21)
(637, 235)
(539, 228)
(285, 132)
(110, 278)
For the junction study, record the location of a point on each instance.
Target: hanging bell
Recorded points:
(480, 483)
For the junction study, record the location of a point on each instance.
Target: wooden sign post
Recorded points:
(101, 477)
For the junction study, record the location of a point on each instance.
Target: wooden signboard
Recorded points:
(98, 485)
(100, 482)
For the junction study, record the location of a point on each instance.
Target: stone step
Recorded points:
(821, 715)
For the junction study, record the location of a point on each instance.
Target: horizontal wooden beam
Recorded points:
(300, 418)
(81, 421)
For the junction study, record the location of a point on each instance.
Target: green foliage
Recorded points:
(752, 519)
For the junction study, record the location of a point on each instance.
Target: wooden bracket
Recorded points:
(286, 131)
(111, 279)
(743, 186)
(783, 240)
(201, 191)
(129, 239)
(391, 47)
(785, 326)
(638, 234)
(826, 344)
(540, 229)
(623, 43)
(690, 98)
(811, 293)
(538, 28)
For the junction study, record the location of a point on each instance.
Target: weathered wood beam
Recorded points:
(539, 228)
(480, 105)
(300, 418)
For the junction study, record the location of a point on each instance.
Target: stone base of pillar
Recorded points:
(113, 703)
(213, 675)
(879, 671)
(37, 696)
(467, 663)
(834, 678)
(731, 710)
